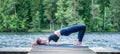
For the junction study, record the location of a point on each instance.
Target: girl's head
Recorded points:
(41, 41)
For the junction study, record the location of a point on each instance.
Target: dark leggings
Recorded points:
(75, 28)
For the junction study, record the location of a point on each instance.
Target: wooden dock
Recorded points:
(60, 50)
(14, 50)
(101, 50)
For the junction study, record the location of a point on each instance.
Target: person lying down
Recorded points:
(53, 38)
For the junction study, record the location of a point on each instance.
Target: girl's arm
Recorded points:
(58, 43)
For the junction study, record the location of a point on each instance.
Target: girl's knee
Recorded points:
(82, 26)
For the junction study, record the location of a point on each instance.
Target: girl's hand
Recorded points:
(33, 44)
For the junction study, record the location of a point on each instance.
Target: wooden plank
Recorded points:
(60, 53)
(101, 50)
(60, 50)
(14, 50)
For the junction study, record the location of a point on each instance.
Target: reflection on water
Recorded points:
(90, 39)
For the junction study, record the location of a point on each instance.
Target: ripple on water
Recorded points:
(90, 39)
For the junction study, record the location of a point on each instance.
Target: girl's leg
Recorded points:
(75, 28)
(81, 33)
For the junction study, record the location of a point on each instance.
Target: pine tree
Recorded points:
(49, 12)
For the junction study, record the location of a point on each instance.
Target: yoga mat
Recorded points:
(67, 45)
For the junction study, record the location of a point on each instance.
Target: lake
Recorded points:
(94, 39)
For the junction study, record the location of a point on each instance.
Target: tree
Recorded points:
(13, 21)
(36, 22)
(68, 12)
(61, 11)
(7, 8)
(103, 4)
(115, 18)
(72, 13)
(85, 11)
(36, 15)
(49, 12)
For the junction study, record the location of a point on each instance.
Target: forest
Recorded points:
(49, 15)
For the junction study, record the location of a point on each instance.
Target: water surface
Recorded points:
(96, 39)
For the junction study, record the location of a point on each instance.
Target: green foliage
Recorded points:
(115, 18)
(36, 22)
(13, 21)
(37, 15)
(4, 22)
(67, 11)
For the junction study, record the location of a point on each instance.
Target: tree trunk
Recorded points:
(51, 25)
(61, 25)
(103, 18)
(92, 8)
(14, 9)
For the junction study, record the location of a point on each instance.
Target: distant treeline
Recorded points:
(38, 15)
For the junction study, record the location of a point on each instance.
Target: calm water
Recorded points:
(90, 39)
